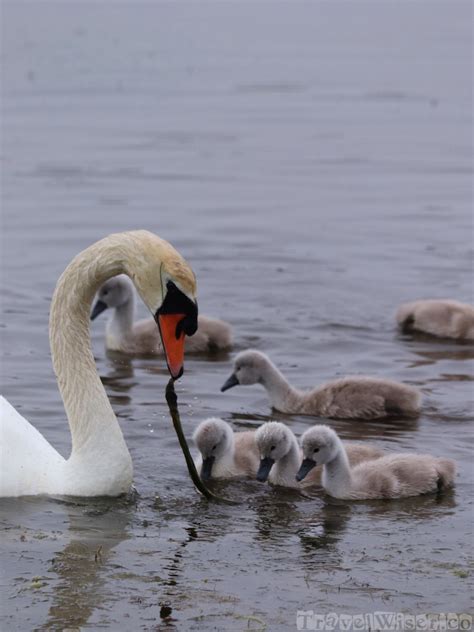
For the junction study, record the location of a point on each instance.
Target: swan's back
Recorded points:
(401, 475)
(443, 318)
(362, 397)
(28, 462)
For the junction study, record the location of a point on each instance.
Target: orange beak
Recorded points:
(173, 346)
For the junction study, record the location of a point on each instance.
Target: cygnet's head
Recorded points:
(320, 444)
(115, 292)
(274, 441)
(213, 438)
(249, 368)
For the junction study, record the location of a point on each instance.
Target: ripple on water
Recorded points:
(276, 161)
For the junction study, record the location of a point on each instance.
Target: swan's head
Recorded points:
(274, 440)
(115, 292)
(213, 438)
(167, 286)
(249, 368)
(165, 283)
(320, 444)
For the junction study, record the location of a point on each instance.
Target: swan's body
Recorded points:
(99, 463)
(281, 456)
(356, 397)
(438, 317)
(142, 337)
(223, 453)
(391, 476)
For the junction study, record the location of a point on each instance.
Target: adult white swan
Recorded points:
(100, 464)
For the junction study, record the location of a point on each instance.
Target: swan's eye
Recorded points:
(316, 450)
(272, 447)
(105, 292)
(214, 447)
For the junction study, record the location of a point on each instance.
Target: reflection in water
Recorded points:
(388, 429)
(83, 563)
(453, 377)
(172, 588)
(358, 431)
(276, 515)
(118, 380)
(304, 268)
(322, 530)
(246, 421)
(458, 352)
(121, 370)
(427, 507)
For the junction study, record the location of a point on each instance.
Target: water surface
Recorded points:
(313, 162)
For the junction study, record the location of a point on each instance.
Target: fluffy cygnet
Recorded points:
(143, 337)
(391, 476)
(438, 317)
(281, 456)
(223, 453)
(355, 397)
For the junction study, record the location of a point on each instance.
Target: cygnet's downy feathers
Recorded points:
(356, 397)
(443, 318)
(281, 456)
(391, 476)
(223, 453)
(143, 337)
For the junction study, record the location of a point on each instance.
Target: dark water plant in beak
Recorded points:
(172, 401)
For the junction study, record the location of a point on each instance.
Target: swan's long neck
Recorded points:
(337, 478)
(284, 470)
(91, 418)
(282, 395)
(121, 323)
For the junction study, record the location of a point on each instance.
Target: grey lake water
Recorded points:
(313, 162)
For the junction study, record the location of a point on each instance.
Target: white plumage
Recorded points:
(99, 463)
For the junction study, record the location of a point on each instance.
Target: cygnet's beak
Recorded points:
(266, 465)
(206, 469)
(229, 383)
(305, 469)
(98, 308)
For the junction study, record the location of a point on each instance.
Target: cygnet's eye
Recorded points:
(105, 292)
(272, 447)
(214, 447)
(316, 450)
